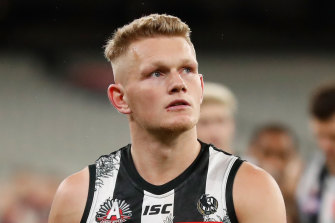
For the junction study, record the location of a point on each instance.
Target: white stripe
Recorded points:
(218, 171)
(106, 190)
(157, 208)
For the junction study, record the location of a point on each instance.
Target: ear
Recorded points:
(202, 87)
(116, 97)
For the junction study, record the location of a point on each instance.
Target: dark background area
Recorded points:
(52, 29)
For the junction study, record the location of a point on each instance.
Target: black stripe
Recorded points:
(162, 189)
(125, 190)
(189, 193)
(92, 173)
(229, 191)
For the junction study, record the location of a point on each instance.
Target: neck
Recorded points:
(161, 158)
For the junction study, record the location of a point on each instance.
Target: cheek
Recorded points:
(194, 84)
(199, 98)
(142, 99)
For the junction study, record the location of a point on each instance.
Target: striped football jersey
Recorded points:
(202, 193)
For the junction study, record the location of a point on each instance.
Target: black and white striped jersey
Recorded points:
(202, 193)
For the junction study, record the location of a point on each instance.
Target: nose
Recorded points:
(177, 83)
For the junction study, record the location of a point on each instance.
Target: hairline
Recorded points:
(128, 48)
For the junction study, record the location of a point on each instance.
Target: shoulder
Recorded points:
(70, 199)
(257, 197)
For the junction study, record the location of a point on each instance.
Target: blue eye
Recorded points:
(187, 70)
(156, 74)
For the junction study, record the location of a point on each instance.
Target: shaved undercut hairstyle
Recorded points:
(153, 25)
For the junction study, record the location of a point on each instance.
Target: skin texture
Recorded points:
(324, 132)
(70, 199)
(216, 125)
(153, 73)
(257, 197)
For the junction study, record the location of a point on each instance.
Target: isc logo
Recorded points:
(156, 209)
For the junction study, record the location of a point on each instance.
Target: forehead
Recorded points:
(160, 49)
(148, 53)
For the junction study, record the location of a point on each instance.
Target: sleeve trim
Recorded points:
(92, 173)
(229, 191)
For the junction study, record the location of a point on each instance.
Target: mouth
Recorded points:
(178, 104)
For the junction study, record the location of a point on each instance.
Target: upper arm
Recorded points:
(257, 197)
(70, 199)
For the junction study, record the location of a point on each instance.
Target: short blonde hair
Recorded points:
(219, 94)
(145, 27)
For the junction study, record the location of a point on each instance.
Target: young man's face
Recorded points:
(216, 125)
(325, 135)
(161, 83)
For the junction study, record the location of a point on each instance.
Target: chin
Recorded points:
(180, 125)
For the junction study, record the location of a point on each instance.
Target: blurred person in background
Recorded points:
(274, 147)
(216, 123)
(27, 197)
(316, 191)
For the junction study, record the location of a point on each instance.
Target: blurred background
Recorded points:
(55, 117)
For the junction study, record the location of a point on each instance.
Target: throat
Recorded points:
(160, 165)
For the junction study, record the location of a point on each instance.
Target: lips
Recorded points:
(178, 104)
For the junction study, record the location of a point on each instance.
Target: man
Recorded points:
(166, 174)
(216, 124)
(316, 191)
(274, 147)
